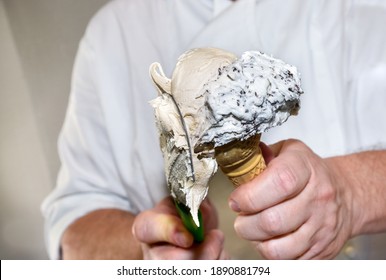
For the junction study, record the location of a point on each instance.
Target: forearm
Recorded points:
(362, 177)
(102, 234)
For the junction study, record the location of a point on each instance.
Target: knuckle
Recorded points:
(327, 193)
(285, 180)
(251, 202)
(331, 224)
(211, 253)
(271, 222)
(238, 227)
(140, 227)
(269, 250)
(296, 143)
(245, 229)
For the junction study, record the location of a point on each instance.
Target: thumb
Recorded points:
(270, 151)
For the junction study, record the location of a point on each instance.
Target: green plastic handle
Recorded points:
(187, 220)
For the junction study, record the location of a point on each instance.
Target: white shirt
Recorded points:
(109, 144)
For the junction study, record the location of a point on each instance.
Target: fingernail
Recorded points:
(234, 205)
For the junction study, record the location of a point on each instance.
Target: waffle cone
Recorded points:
(241, 161)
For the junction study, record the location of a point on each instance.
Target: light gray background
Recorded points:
(38, 42)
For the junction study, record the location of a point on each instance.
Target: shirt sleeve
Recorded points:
(89, 178)
(366, 72)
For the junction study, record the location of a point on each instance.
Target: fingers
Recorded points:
(275, 148)
(161, 224)
(289, 246)
(209, 214)
(150, 227)
(294, 209)
(163, 236)
(274, 221)
(212, 248)
(285, 177)
(271, 151)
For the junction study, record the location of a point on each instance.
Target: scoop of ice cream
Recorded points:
(249, 96)
(188, 174)
(214, 98)
(189, 84)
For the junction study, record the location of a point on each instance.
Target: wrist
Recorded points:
(349, 193)
(361, 178)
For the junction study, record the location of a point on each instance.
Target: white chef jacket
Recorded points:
(109, 146)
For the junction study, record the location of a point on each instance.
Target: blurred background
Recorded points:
(38, 43)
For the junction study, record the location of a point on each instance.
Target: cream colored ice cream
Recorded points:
(188, 174)
(213, 99)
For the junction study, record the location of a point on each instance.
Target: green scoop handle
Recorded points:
(190, 225)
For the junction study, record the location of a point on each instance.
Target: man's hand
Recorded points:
(163, 236)
(299, 207)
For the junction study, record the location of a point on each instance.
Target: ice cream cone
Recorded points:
(241, 161)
